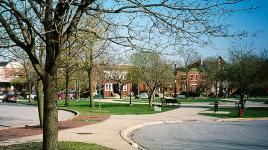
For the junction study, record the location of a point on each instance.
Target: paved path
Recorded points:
(18, 115)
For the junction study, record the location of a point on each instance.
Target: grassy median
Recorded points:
(255, 112)
(82, 106)
(157, 100)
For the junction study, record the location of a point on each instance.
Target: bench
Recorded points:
(181, 96)
(168, 101)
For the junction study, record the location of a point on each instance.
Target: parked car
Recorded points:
(85, 94)
(2, 96)
(33, 96)
(142, 96)
(10, 98)
(71, 95)
(131, 93)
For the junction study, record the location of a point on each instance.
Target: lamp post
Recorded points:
(175, 81)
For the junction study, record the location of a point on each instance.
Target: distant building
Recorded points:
(197, 78)
(112, 80)
(9, 71)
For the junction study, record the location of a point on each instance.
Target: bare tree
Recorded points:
(68, 65)
(92, 48)
(188, 56)
(152, 70)
(242, 69)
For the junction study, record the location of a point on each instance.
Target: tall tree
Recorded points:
(69, 65)
(92, 47)
(188, 56)
(214, 73)
(119, 75)
(242, 69)
(152, 70)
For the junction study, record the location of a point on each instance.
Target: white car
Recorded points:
(33, 96)
(142, 96)
(2, 96)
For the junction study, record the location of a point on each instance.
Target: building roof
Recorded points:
(3, 64)
(202, 65)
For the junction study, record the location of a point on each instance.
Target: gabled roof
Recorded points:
(3, 64)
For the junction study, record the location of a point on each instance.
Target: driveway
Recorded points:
(17, 115)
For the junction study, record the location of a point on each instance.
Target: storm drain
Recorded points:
(84, 133)
(193, 120)
(3, 125)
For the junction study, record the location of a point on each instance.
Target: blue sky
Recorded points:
(255, 21)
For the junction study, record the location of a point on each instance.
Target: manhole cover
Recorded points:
(190, 120)
(84, 133)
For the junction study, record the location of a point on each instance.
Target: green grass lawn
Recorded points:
(83, 108)
(265, 100)
(249, 113)
(66, 145)
(188, 100)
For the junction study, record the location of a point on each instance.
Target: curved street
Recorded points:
(204, 135)
(18, 115)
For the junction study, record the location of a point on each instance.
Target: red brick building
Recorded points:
(9, 71)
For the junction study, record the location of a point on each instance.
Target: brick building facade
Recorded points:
(9, 71)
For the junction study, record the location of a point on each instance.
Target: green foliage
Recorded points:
(151, 69)
(18, 81)
(249, 113)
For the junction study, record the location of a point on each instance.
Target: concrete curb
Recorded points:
(76, 113)
(242, 119)
(124, 133)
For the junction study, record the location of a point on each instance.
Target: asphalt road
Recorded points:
(17, 115)
(246, 135)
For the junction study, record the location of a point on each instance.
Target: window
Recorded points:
(108, 86)
(125, 87)
(111, 87)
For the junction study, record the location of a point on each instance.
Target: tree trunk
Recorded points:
(40, 102)
(150, 96)
(206, 88)
(50, 130)
(187, 92)
(130, 95)
(242, 101)
(216, 90)
(66, 103)
(163, 88)
(139, 90)
(30, 91)
(150, 100)
(120, 91)
(90, 87)
(228, 89)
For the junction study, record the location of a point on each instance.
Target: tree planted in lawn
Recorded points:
(152, 70)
